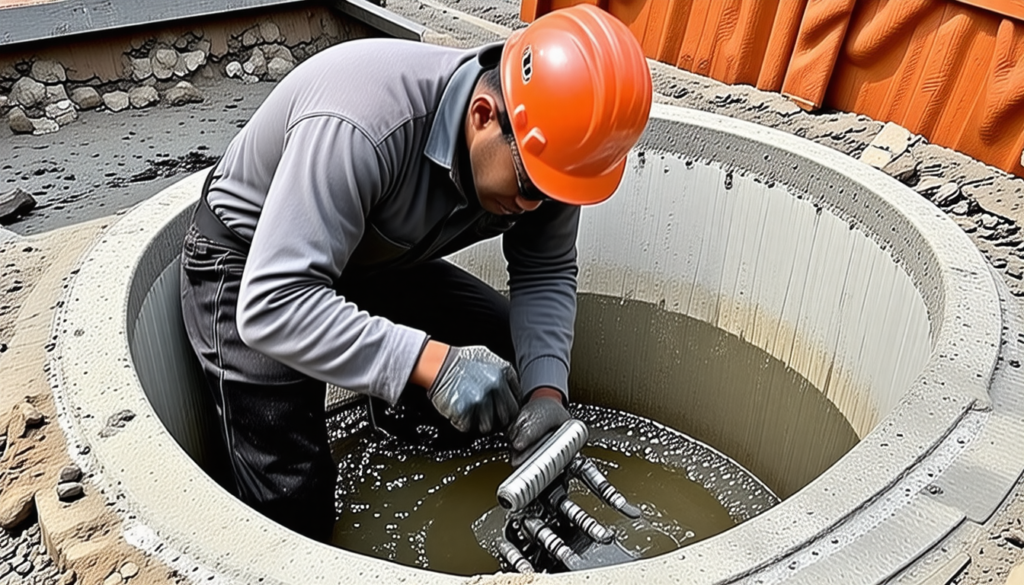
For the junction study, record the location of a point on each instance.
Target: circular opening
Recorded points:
(876, 309)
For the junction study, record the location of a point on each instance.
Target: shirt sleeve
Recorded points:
(329, 176)
(541, 254)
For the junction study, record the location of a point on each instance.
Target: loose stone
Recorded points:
(67, 492)
(4, 100)
(141, 69)
(55, 93)
(27, 92)
(277, 68)
(233, 69)
(27, 415)
(183, 93)
(70, 473)
(164, 62)
(23, 568)
(62, 112)
(49, 72)
(15, 508)
(193, 60)
(270, 32)
(116, 100)
(143, 96)
(876, 157)
(19, 122)
(257, 64)
(114, 578)
(250, 38)
(989, 221)
(893, 138)
(903, 169)
(947, 194)
(961, 208)
(129, 570)
(86, 98)
(274, 50)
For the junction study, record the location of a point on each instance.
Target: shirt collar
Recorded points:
(447, 128)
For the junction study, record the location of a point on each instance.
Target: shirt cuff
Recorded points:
(544, 371)
(403, 347)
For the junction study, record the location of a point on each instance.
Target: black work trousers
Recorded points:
(272, 417)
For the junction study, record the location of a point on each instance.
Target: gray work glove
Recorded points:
(539, 418)
(476, 390)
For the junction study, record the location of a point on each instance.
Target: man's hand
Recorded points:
(475, 389)
(540, 417)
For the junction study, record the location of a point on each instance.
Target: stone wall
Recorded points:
(44, 87)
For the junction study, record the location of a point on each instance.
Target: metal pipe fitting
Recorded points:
(537, 473)
(585, 469)
(585, 522)
(550, 541)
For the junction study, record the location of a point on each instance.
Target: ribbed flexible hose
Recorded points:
(537, 473)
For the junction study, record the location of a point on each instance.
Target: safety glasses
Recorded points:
(526, 188)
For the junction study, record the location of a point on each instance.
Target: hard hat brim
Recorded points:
(574, 189)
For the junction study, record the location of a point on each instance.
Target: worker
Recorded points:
(316, 251)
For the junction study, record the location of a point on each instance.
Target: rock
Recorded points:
(16, 507)
(183, 93)
(233, 69)
(49, 72)
(86, 98)
(116, 421)
(246, 78)
(270, 32)
(143, 96)
(62, 112)
(4, 100)
(893, 138)
(24, 416)
(204, 46)
(903, 169)
(116, 100)
(257, 64)
(114, 578)
(55, 93)
(164, 62)
(19, 122)
(14, 203)
(69, 491)
(193, 60)
(141, 69)
(70, 473)
(876, 157)
(181, 42)
(250, 37)
(129, 570)
(278, 68)
(67, 578)
(23, 568)
(989, 221)
(272, 51)
(8, 72)
(947, 194)
(41, 126)
(27, 92)
(929, 185)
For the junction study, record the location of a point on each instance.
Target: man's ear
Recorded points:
(483, 111)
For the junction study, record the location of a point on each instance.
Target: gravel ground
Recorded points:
(105, 163)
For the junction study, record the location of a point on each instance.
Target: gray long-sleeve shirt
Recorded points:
(352, 165)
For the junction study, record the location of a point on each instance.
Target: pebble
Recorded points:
(277, 68)
(114, 578)
(183, 93)
(62, 112)
(19, 121)
(143, 96)
(69, 491)
(256, 64)
(86, 98)
(270, 32)
(70, 473)
(116, 100)
(233, 69)
(27, 92)
(23, 568)
(961, 208)
(129, 570)
(55, 93)
(893, 138)
(141, 69)
(49, 72)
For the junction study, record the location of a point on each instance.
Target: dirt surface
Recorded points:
(105, 163)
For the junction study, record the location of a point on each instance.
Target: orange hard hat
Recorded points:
(578, 92)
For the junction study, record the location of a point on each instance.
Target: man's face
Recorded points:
(498, 176)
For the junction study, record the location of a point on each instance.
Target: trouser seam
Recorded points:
(225, 415)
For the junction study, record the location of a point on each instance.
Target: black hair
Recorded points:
(490, 80)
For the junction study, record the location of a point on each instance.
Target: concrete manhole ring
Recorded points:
(714, 216)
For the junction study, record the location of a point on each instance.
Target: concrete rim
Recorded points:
(940, 417)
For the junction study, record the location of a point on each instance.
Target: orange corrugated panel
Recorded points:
(951, 70)
(817, 46)
(945, 70)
